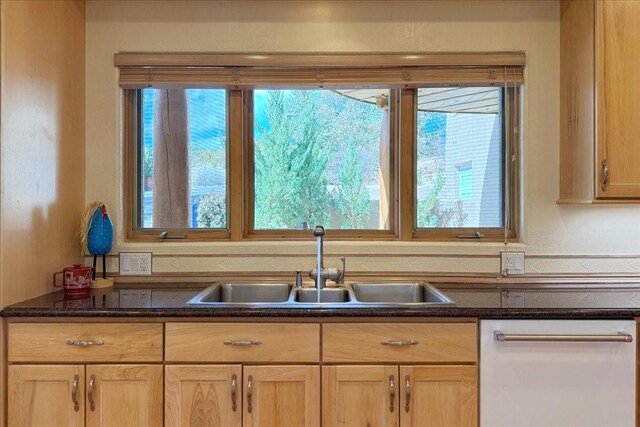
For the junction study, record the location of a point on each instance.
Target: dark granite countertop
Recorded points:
(171, 302)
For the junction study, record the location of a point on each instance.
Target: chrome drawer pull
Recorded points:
(392, 393)
(605, 175)
(249, 394)
(90, 392)
(407, 390)
(243, 343)
(234, 404)
(82, 343)
(74, 393)
(620, 337)
(399, 343)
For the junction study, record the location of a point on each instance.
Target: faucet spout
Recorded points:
(321, 274)
(319, 232)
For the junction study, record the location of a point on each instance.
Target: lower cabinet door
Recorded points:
(46, 395)
(360, 396)
(124, 396)
(438, 396)
(281, 396)
(203, 396)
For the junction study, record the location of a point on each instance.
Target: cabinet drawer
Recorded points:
(399, 342)
(63, 342)
(242, 342)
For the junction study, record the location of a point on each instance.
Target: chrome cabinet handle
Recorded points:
(234, 386)
(249, 394)
(407, 391)
(74, 393)
(620, 337)
(605, 174)
(392, 393)
(90, 392)
(242, 343)
(84, 343)
(399, 343)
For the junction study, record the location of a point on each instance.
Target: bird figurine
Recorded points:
(97, 237)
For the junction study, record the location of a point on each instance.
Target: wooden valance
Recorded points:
(245, 71)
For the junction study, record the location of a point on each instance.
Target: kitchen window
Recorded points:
(320, 156)
(386, 151)
(183, 155)
(458, 127)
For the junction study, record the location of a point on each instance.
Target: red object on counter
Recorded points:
(76, 281)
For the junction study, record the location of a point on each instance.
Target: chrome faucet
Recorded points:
(321, 274)
(318, 231)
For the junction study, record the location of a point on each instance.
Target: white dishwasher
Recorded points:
(564, 373)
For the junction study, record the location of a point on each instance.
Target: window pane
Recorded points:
(183, 159)
(321, 157)
(460, 157)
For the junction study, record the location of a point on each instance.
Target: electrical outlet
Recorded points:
(511, 263)
(512, 299)
(135, 263)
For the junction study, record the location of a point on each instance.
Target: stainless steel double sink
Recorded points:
(352, 295)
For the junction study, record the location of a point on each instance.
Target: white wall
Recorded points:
(556, 238)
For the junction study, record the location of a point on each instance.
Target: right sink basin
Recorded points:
(399, 293)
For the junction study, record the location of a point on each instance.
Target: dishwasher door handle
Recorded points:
(619, 337)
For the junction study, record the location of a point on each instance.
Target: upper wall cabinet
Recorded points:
(599, 101)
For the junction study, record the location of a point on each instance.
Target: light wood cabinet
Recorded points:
(378, 342)
(618, 95)
(117, 395)
(373, 374)
(232, 395)
(85, 342)
(599, 108)
(438, 396)
(360, 396)
(106, 395)
(405, 396)
(44, 395)
(281, 396)
(242, 342)
(124, 396)
(203, 396)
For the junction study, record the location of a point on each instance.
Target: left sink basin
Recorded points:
(243, 293)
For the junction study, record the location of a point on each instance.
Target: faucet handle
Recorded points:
(318, 231)
(343, 271)
(298, 278)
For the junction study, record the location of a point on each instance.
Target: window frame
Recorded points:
(402, 168)
(510, 198)
(133, 178)
(250, 233)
